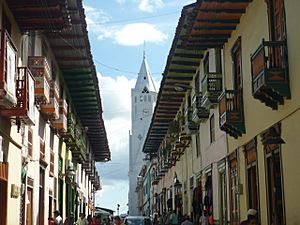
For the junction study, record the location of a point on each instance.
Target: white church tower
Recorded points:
(143, 98)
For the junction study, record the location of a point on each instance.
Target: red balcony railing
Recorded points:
(8, 65)
(41, 72)
(62, 123)
(24, 108)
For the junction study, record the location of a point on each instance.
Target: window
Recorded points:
(251, 175)
(145, 112)
(223, 194)
(135, 99)
(276, 20)
(141, 98)
(206, 64)
(145, 90)
(237, 65)
(145, 98)
(30, 142)
(212, 128)
(149, 98)
(198, 145)
(197, 83)
(275, 198)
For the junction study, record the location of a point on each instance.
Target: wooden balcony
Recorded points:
(269, 68)
(231, 111)
(24, 109)
(212, 87)
(51, 110)
(52, 156)
(154, 177)
(69, 135)
(200, 113)
(78, 147)
(192, 126)
(54, 89)
(8, 65)
(61, 124)
(41, 71)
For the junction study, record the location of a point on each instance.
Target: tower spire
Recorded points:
(144, 51)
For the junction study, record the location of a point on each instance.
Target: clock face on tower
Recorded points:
(145, 112)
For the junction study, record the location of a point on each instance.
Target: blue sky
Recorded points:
(117, 32)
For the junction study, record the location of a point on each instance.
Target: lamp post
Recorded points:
(118, 208)
(70, 173)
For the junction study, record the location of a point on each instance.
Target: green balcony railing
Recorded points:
(211, 88)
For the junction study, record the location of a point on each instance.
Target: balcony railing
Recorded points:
(54, 89)
(24, 108)
(211, 89)
(51, 110)
(200, 113)
(62, 123)
(189, 123)
(154, 177)
(41, 72)
(232, 113)
(8, 65)
(270, 79)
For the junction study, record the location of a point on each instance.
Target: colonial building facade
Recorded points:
(230, 89)
(51, 128)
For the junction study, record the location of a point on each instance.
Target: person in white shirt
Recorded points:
(57, 218)
(82, 220)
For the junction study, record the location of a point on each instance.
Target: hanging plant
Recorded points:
(174, 127)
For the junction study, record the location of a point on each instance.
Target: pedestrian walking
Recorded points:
(118, 221)
(251, 216)
(82, 220)
(57, 218)
(173, 218)
(186, 220)
(204, 220)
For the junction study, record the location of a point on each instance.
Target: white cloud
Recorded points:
(136, 33)
(116, 100)
(150, 5)
(133, 34)
(121, 2)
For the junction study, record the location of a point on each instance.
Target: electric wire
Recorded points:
(134, 19)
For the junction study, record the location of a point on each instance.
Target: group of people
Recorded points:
(82, 220)
(171, 218)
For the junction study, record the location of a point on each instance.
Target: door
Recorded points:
(29, 206)
(275, 191)
(3, 201)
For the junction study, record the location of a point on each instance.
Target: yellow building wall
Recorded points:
(253, 28)
(290, 166)
(14, 178)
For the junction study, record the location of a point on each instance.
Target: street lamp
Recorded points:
(118, 208)
(182, 87)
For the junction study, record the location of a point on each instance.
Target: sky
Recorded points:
(119, 32)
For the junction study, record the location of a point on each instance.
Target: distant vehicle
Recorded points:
(123, 216)
(137, 220)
